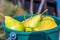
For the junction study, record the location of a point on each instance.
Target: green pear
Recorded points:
(46, 25)
(15, 25)
(48, 18)
(32, 21)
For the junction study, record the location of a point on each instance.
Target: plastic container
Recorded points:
(52, 34)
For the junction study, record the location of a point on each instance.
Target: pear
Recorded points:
(48, 18)
(33, 21)
(46, 25)
(15, 25)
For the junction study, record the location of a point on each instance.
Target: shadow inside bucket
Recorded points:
(39, 36)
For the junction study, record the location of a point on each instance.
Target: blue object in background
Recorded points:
(58, 12)
(58, 8)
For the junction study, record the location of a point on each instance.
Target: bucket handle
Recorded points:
(12, 36)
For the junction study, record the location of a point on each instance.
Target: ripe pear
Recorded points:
(32, 21)
(46, 25)
(48, 18)
(15, 25)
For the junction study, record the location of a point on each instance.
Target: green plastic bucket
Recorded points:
(52, 34)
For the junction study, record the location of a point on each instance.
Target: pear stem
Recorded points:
(44, 11)
(2, 15)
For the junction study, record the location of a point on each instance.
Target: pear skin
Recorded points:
(48, 18)
(15, 25)
(46, 25)
(28, 29)
(33, 21)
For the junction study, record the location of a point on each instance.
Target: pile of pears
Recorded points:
(38, 22)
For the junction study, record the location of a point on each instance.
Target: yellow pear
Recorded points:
(48, 18)
(46, 25)
(13, 24)
(32, 21)
(28, 29)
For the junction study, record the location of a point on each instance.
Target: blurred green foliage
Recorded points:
(9, 9)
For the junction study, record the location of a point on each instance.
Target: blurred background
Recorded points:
(19, 7)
